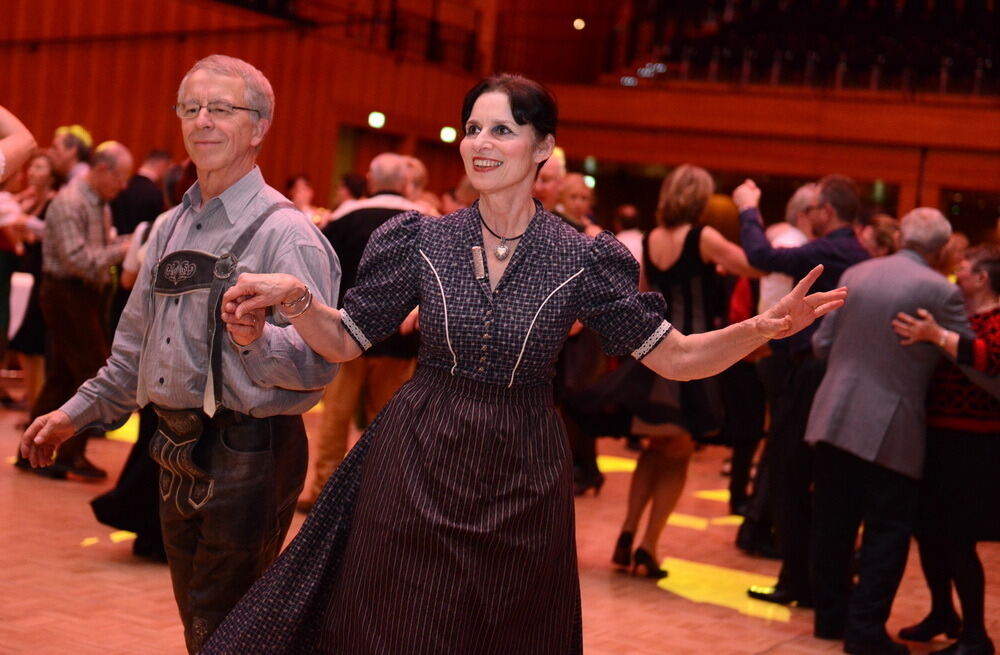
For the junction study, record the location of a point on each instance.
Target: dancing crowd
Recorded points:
(486, 339)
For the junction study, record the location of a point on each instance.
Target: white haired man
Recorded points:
(230, 443)
(867, 423)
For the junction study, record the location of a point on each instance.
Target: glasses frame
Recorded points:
(177, 109)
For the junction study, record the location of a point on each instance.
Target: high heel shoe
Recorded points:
(644, 559)
(594, 481)
(623, 550)
(931, 627)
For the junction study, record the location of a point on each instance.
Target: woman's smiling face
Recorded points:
(497, 152)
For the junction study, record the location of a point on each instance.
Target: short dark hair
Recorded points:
(841, 193)
(295, 178)
(530, 102)
(83, 151)
(159, 154)
(986, 258)
(355, 184)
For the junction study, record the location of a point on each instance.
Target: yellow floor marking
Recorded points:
(11, 460)
(129, 433)
(721, 495)
(316, 409)
(687, 521)
(121, 535)
(733, 519)
(89, 541)
(717, 585)
(613, 464)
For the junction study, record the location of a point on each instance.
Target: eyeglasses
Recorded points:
(216, 110)
(809, 208)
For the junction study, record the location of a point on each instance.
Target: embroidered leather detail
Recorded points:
(653, 339)
(178, 271)
(353, 328)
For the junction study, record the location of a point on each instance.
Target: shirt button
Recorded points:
(481, 369)
(485, 348)
(246, 352)
(482, 360)
(488, 323)
(177, 301)
(198, 226)
(161, 380)
(168, 339)
(486, 335)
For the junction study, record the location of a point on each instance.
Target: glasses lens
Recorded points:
(187, 109)
(221, 109)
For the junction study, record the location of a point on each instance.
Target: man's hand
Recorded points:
(39, 442)
(746, 195)
(245, 329)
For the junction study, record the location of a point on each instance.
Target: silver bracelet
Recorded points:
(308, 299)
(305, 292)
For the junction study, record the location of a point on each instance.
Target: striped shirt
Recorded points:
(160, 353)
(78, 242)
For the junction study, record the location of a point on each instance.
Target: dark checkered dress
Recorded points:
(449, 527)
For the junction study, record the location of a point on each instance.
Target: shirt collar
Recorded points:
(88, 192)
(235, 199)
(914, 255)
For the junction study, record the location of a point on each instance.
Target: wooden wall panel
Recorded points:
(114, 66)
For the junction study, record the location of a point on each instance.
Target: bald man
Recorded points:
(78, 253)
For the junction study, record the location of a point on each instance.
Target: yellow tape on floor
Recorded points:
(718, 585)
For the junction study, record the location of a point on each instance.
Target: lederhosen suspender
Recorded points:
(181, 272)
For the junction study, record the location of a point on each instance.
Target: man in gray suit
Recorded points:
(867, 423)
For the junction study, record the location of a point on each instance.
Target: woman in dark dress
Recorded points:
(449, 527)
(960, 491)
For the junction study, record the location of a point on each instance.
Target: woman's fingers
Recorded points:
(806, 283)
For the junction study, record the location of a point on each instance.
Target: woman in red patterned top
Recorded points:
(960, 494)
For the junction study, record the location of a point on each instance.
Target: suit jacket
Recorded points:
(871, 401)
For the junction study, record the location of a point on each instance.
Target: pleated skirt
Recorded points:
(448, 529)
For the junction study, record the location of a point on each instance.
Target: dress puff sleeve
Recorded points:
(628, 322)
(386, 288)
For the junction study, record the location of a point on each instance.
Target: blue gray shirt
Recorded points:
(160, 351)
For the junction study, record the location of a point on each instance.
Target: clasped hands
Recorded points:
(244, 304)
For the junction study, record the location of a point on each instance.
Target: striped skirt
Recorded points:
(448, 529)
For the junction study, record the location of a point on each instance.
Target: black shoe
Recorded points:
(623, 550)
(82, 468)
(884, 646)
(979, 646)
(585, 483)
(778, 595)
(931, 627)
(54, 471)
(645, 560)
(754, 540)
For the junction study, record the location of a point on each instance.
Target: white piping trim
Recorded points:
(528, 334)
(652, 340)
(444, 302)
(353, 328)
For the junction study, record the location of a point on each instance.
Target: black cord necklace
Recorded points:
(502, 250)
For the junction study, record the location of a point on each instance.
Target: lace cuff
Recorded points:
(355, 331)
(654, 339)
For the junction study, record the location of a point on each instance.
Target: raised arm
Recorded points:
(691, 356)
(16, 143)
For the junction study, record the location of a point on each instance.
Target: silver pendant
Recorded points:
(501, 251)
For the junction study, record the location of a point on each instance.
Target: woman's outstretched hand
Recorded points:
(797, 310)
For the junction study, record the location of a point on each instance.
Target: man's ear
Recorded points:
(260, 128)
(545, 148)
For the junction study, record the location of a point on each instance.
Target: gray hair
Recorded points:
(925, 230)
(388, 172)
(110, 154)
(258, 95)
(804, 196)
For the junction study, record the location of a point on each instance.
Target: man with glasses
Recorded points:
(830, 213)
(78, 251)
(230, 442)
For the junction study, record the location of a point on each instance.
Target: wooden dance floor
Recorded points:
(70, 585)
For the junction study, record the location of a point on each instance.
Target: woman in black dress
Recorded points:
(449, 527)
